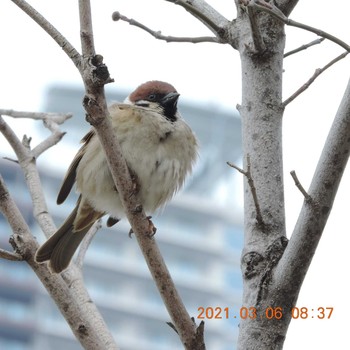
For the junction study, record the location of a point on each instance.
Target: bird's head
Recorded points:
(156, 95)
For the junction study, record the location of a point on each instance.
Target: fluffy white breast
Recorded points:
(159, 152)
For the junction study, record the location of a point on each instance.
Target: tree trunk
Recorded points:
(264, 225)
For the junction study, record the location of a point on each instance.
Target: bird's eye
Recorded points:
(152, 97)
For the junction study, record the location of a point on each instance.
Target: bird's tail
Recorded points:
(61, 246)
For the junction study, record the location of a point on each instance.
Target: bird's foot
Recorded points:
(152, 228)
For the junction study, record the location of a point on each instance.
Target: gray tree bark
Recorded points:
(273, 270)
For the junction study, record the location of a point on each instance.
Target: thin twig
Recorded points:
(10, 255)
(313, 78)
(252, 187)
(116, 16)
(270, 8)
(304, 47)
(79, 261)
(11, 159)
(237, 168)
(318, 32)
(300, 187)
(58, 118)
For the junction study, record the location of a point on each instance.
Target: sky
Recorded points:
(208, 74)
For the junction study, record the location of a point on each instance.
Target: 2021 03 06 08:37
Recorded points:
(269, 313)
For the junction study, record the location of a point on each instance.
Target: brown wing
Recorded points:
(86, 216)
(69, 179)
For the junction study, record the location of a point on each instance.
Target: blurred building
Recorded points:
(199, 234)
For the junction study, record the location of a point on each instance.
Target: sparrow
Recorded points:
(160, 150)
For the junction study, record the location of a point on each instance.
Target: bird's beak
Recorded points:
(170, 99)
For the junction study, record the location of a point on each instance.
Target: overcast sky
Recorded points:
(208, 74)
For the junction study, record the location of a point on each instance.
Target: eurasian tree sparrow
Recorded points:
(159, 148)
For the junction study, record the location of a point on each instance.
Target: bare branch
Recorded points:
(318, 32)
(248, 175)
(86, 33)
(141, 225)
(97, 112)
(270, 8)
(58, 118)
(81, 313)
(304, 47)
(116, 16)
(25, 246)
(10, 255)
(313, 78)
(27, 163)
(300, 187)
(86, 243)
(66, 46)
